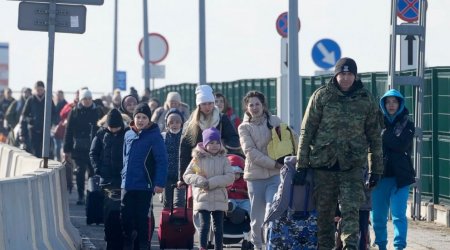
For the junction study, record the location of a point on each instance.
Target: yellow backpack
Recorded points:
(283, 143)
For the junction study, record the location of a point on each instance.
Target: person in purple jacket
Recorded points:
(144, 173)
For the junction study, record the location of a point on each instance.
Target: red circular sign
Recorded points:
(159, 48)
(282, 24)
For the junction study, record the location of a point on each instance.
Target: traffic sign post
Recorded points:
(282, 24)
(408, 52)
(87, 2)
(159, 48)
(326, 53)
(53, 18)
(408, 10)
(121, 80)
(35, 17)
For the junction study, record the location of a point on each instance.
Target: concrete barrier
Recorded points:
(34, 210)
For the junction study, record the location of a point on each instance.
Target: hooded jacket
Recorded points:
(160, 114)
(254, 136)
(217, 171)
(397, 142)
(144, 159)
(230, 140)
(341, 129)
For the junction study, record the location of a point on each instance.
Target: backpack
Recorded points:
(283, 143)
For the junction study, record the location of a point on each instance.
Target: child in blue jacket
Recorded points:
(144, 172)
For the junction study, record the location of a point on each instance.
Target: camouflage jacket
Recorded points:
(341, 127)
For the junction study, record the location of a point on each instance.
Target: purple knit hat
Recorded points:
(210, 134)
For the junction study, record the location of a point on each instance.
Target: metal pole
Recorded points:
(393, 45)
(146, 49)
(115, 49)
(202, 42)
(49, 89)
(295, 105)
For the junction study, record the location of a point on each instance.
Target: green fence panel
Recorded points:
(435, 172)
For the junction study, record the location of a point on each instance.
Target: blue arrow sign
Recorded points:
(325, 53)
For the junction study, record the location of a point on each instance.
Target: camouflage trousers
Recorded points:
(348, 188)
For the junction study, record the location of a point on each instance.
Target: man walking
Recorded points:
(340, 134)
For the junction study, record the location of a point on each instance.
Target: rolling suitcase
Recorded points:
(176, 229)
(94, 201)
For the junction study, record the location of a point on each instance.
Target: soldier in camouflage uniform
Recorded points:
(340, 133)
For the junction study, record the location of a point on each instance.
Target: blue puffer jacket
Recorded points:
(144, 159)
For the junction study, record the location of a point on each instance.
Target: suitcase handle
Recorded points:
(174, 186)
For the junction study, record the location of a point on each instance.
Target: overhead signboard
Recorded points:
(326, 53)
(35, 17)
(4, 65)
(87, 2)
(159, 48)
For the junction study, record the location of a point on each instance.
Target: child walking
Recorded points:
(209, 173)
(174, 123)
(144, 172)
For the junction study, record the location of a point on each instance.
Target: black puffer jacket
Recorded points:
(397, 147)
(80, 130)
(106, 156)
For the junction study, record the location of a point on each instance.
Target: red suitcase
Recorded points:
(176, 229)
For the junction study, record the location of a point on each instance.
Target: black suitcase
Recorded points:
(94, 201)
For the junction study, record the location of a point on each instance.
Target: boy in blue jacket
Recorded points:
(144, 172)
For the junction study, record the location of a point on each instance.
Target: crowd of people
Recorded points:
(358, 149)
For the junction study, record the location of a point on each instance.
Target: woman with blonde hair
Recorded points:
(205, 116)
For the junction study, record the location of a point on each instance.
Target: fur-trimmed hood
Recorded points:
(200, 152)
(102, 122)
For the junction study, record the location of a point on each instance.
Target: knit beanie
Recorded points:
(144, 109)
(345, 64)
(174, 112)
(210, 134)
(173, 96)
(85, 93)
(204, 94)
(39, 84)
(114, 119)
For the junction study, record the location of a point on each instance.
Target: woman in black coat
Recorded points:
(392, 190)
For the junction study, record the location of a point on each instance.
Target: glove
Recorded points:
(300, 176)
(203, 184)
(373, 180)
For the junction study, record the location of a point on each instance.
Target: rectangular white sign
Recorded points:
(4, 65)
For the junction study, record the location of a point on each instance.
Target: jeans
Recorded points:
(386, 195)
(205, 225)
(261, 194)
(241, 203)
(57, 148)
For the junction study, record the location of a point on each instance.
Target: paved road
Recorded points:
(421, 235)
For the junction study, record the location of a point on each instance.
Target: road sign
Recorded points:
(284, 56)
(4, 65)
(159, 48)
(87, 2)
(121, 80)
(408, 52)
(408, 10)
(69, 18)
(325, 53)
(157, 71)
(282, 24)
